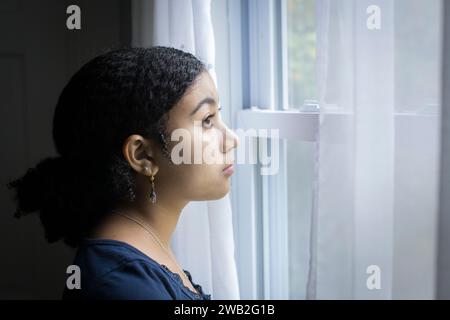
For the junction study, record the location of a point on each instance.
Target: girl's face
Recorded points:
(200, 144)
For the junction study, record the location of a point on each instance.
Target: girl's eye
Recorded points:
(207, 121)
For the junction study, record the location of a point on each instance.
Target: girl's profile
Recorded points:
(114, 192)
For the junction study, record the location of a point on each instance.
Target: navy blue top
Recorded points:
(112, 269)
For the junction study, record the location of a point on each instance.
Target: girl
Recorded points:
(116, 190)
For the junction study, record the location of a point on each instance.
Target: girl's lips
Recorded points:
(228, 170)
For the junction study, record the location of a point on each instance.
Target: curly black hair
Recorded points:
(122, 92)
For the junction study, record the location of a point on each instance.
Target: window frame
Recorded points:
(259, 100)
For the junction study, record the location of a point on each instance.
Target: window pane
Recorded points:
(301, 42)
(284, 218)
(300, 177)
(417, 52)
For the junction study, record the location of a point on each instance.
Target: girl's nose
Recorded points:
(230, 139)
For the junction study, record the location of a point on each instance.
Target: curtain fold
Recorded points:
(203, 240)
(375, 218)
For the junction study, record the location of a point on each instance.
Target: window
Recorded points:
(356, 184)
(282, 95)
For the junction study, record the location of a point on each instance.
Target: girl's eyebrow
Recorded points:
(207, 100)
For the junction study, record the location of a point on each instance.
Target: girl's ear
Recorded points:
(139, 153)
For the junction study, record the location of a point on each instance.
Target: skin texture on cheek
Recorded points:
(191, 181)
(202, 181)
(216, 185)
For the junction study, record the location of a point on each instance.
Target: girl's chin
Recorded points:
(219, 193)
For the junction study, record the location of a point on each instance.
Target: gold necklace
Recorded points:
(156, 238)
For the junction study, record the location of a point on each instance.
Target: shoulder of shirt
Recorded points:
(112, 254)
(122, 266)
(135, 279)
(148, 266)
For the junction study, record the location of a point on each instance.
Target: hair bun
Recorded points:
(37, 185)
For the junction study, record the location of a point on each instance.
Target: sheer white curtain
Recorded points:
(203, 241)
(377, 174)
